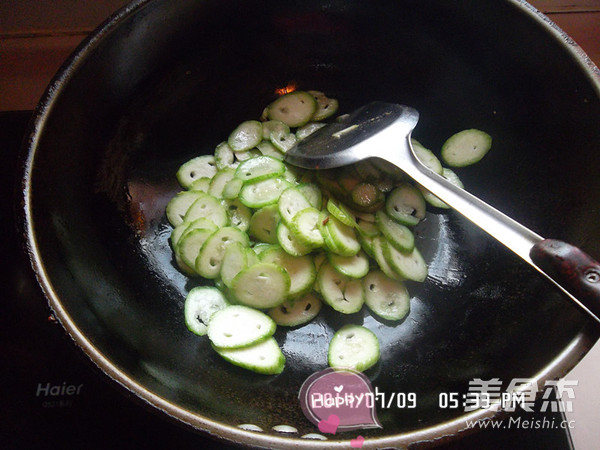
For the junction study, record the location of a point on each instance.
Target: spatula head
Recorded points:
(363, 134)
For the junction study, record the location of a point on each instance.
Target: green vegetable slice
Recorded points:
(466, 147)
(239, 215)
(340, 212)
(188, 247)
(199, 167)
(427, 158)
(377, 248)
(343, 238)
(289, 241)
(179, 205)
(397, 234)
(342, 293)
(266, 148)
(201, 304)
(449, 175)
(305, 227)
(224, 157)
(387, 298)
(246, 136)
(283, 141)
(301, 269)
(208, 207)
(274, 126)
(356, 266)
(294, 109)
(312, 193)
(409, 266)
(208, 263)
(238, 326)
(263, 193)
(353, 347)
(262, 285)
(326, 107)
(263, 224)
(292, 313)
(235, 259)
(219, 181)
(259, 168)
(290, 203)
(308, 129)
(264, 357)
(406, 205)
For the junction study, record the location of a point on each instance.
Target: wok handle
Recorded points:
(573, 269)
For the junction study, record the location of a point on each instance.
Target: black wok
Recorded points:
(163, 81)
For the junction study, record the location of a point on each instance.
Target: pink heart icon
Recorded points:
(358, 442)
(330, 424)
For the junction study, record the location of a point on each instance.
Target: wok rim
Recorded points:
(429, 436)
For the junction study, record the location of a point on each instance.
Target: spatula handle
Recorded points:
(573, 269)
(574, 272)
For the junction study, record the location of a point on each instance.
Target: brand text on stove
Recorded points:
(57, 390)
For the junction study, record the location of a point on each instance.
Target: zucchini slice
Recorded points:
(377, 246)
(326, 107)
(449, 175)
(219, 181)
(290, 203)
(308, 129)
(292, 313)
(366, 195)
(305, 227)
(246, 136)
(294, 109)
(235, 259)
(259, 168)
(262, 285)
(208, 263)
(263, 224)
(264, 357)
(409, 266)
(356, 266)
(266, 148)
(199, 167)
(466, 147)
(238, 326)
(232, 189)
(353, 347)
(427, 158)
(179, 205)
(301, 269)
(342, 293)
(201, 303)
(397, 234)
(283, 141)
(312, 193)
(201, 184)
(263, 193)
(239, 215)
(387, 298)
(340, 212)
(208, 207)
(224, 157)
(188, 247)
(274, 126)
(343, 238)
(288, 240)
(406, 205)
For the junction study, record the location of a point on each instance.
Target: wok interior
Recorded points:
(172, 80)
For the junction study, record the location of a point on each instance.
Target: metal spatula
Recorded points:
(382, 130)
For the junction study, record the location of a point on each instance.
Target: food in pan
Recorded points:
(278, 241)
